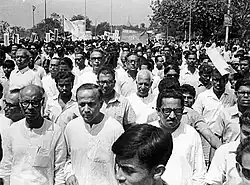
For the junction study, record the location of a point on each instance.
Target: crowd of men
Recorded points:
(105, 113)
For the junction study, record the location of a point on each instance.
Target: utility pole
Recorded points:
(190, 21)
(33, 15)
(85, 16)
(227, 27)
(111, 14)
(45, 10)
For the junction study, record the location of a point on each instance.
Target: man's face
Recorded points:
(80, 60)
(33, 50)
(149, 53)
(188, 99)
(13, 51)
(244, 168)
(50, 51)
(89, 104)
(243, 96)
(22, 59)
(53, 67)
(244, 132)
(106, 83)
(64, 67)
(219, 82)
(96, 60)
(205, 77)
(143, 85)
(244, 66)
(132, 63)
(236, 64)
(65, 86)
(12, 108)
(7, 71)
(191, 60)
(31, 105)
(132, 172)
(170, 114)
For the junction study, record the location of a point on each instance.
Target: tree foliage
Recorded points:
(102, 27)
(207, 15)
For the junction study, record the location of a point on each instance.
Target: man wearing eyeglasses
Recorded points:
(230, 129)
(186, 164)
(114, 104)
(35, 149)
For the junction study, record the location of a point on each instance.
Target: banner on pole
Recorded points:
(6, 39)
(134, 37)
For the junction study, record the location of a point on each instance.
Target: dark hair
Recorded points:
(1, 88)
(66, 61)
(245, 57)
(169, 94)
(156, 58)
(186, 88)
(244, 147)
(168, 83)
(64, 75)
(205, 69)
(106, 70)
(130, 54)
(89, 86)
(242, 82)
(245, 119)
(172, 67)
(148, 63)
(152, 146)
(9, 64)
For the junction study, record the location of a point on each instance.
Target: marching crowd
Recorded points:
(104, 113)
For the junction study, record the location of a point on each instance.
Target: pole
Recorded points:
(45, 10)
(85, 14)
(111, 29)
(95, 26)
(33, 16)
(227, 27)
(190, 22)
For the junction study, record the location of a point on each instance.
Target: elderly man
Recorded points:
(142, 101)
(89, 140)
(114, 105)
(186, 165)
(23, 76)
(35, 150)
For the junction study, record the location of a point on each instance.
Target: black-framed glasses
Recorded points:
(105, 82)
(245, 172)
(33, 103)
(10, 105)
(242, 93)
(96, 58)
(167, 111)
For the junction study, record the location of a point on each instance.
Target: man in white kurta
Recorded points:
(89, 140)
(35, 149)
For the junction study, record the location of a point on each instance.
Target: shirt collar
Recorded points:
(23, 70)
(72, 99)
(180, 130)
(116, 98)
(234, 111)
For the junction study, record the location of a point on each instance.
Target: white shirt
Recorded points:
(34, 157)
(61, 116)
(24, 77)
(49, 86)
(223, 169)
(187, 157)
(186, 77)
(143, 107)
(91, 159)
(39, 70)
(208, 105)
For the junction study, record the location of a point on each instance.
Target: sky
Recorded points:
(19, 12)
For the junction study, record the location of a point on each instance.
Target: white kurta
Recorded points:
(34, 157)
(91, 159)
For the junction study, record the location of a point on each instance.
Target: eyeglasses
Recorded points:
(96, 58)
(34, 103)
(10, 105)
(245, 172)
(242, 93)
(167, 111)
(105, 82)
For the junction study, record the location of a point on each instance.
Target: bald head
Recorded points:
(32, 91)
(13, 96)
(144, 74)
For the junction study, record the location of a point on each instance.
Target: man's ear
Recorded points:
(158, 171)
